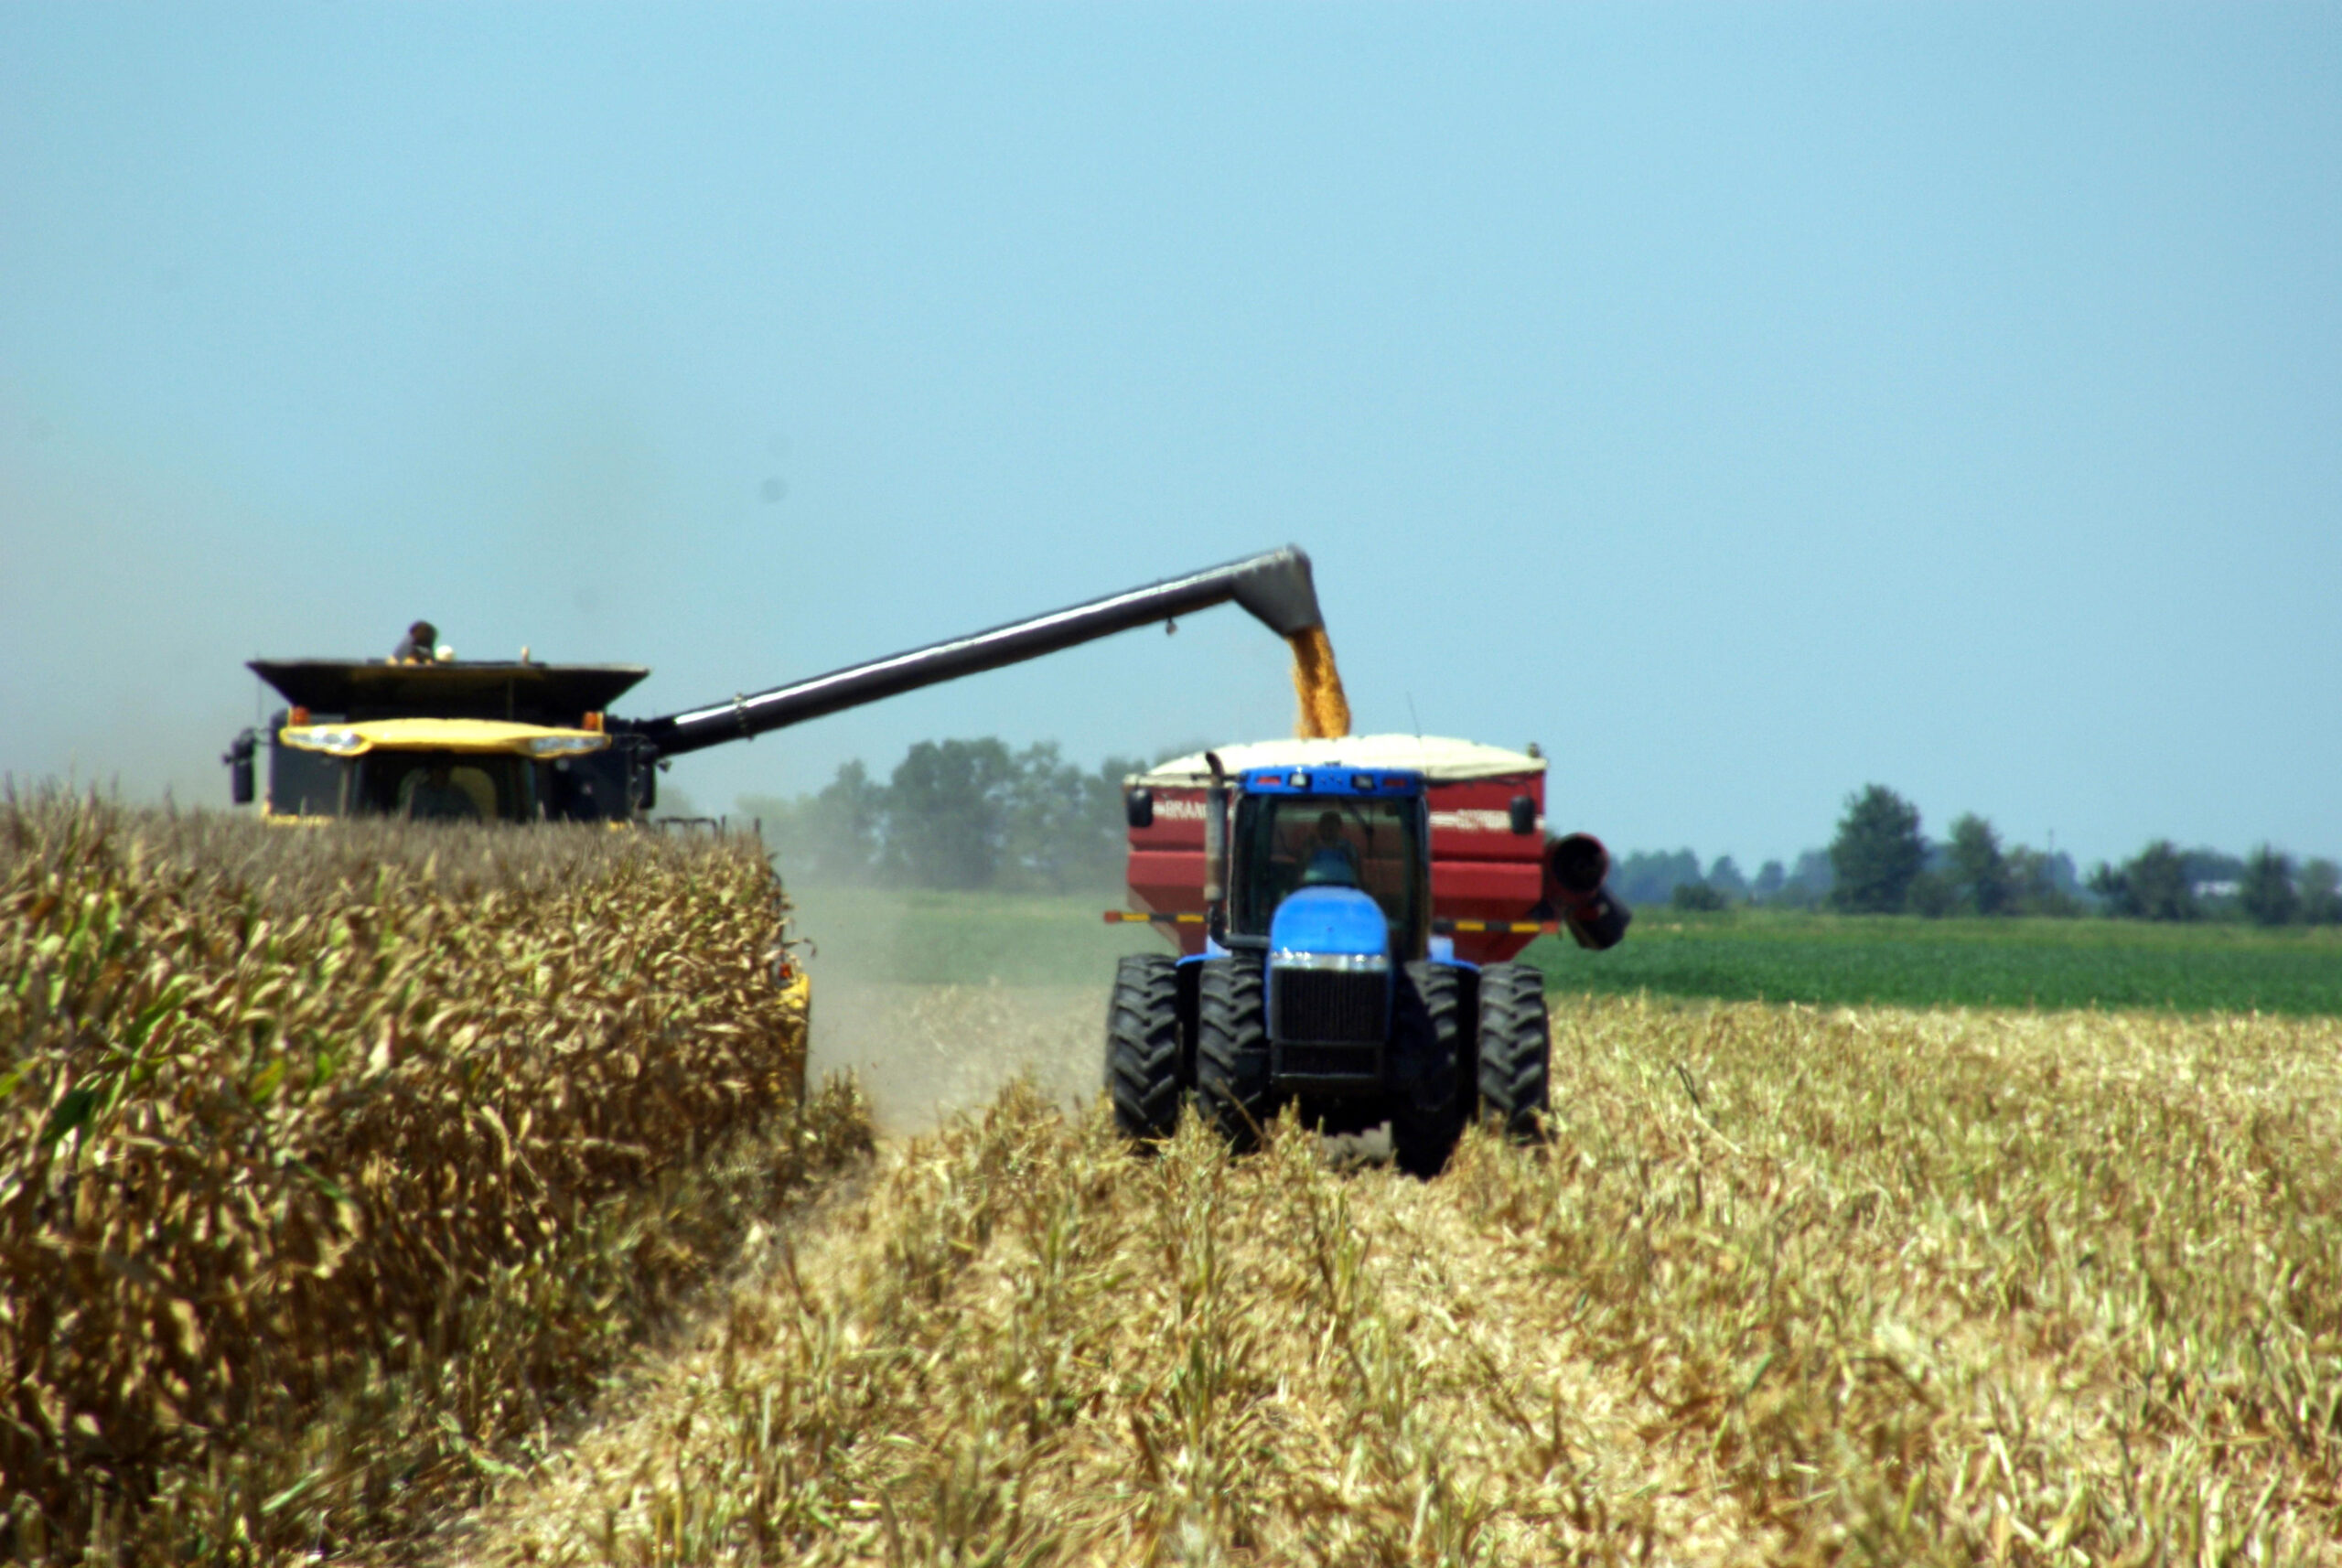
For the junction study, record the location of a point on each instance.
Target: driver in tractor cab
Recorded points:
(1332, 862)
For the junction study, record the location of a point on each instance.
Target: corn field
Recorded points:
(334, 1163)
(1783, 1286)
(451, 1195)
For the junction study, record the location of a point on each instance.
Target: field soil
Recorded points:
(1785, 1285)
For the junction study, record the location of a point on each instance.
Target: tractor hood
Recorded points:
(1330, 928)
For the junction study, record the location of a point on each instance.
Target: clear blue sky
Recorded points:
(1746, 404)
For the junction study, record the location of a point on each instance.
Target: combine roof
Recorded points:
(378, 688)
(1441, 760)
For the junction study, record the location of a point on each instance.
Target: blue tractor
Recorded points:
(1321, 984)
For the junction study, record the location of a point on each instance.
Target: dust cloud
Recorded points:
(922, 1052)
(925, 1044)
(1317, 680)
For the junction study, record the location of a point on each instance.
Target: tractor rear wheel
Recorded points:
(1516, 1049)
(1142, 1045)
(1234, 1091)
(1432, 1098)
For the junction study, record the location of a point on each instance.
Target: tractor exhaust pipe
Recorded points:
(1575, 870)
(1276, 588)
(1215, 852)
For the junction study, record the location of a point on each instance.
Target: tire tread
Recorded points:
(1429, 1032)
(1142, 1045)
(1516, 1050)
(1234, 1091)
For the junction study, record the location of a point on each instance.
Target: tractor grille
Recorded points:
(1363, 1062)
(1330, 1006)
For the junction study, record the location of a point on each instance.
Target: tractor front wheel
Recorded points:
(1433, 1098)
(1516, 1049)
(1234, 1090)
(1142, 1045)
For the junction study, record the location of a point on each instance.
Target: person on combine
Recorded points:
(439, 798)
(1332, 862)
(420, 646)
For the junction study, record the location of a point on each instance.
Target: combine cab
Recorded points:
(477, 741)
(1344, 910)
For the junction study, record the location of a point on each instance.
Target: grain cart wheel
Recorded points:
(1233, 1088)
(1515, 1048)
(1432, 1099)
(1142, 1045)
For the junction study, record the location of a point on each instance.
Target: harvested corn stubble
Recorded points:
(1782, 1287)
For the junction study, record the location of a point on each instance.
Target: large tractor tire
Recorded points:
(1142, 1045)
(1234, 1090)
(1516, 1049)
(1432, 1098)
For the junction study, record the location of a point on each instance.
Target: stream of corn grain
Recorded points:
(1317, 680)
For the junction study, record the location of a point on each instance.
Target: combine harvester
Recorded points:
(1344, 911)
(521, 741)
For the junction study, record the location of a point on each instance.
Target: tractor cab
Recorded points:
(1338, 839)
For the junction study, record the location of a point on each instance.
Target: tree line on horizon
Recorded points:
(976, 814)
(1880, 862)
(966, 815)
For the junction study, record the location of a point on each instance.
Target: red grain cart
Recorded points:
(1495, 881)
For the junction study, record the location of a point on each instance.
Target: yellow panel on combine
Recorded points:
(485, 735)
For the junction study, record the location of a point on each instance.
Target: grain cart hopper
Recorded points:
(525, 742)
(1344, 911)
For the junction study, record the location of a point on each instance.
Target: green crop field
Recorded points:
(915, 937)
(1745, 955)
(1753, 955)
